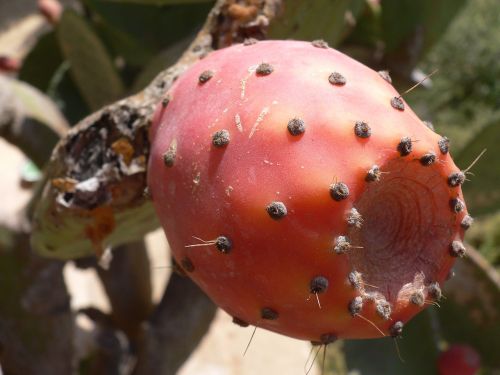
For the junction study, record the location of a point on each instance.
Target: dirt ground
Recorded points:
(221, 351)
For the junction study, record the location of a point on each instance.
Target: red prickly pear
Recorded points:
(303, 193)
(459, 360)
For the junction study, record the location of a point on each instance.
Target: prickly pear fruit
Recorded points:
(302, 194)
(459, 359)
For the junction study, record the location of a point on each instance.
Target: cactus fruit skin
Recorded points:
(334, 202)
(459, 359)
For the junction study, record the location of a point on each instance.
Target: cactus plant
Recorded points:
(303, 264)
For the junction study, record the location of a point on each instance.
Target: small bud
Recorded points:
(221, 138)
(396, 329)
(318, 285)
(467, 222)
(296, 126)
(268, 314)
(397, 103)
(339, 191)
(444, 145)
(362, 130)
(276, 210)
(385, 75)
(373, 174)
(457, 249)
(428, 159)
(356, 305)
(337, 79)
(456, 179)
(405, 146)
(223, 244)
(264, 69)
(319, 43)
(205, 76)
(341, 245)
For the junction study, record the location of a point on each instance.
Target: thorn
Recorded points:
(314, 360)
(200, 244)
(373, 324)
(419, 82)
(317, 299)
(397, 350)
(432, 303)
(250, 341)
(204, 241)
(397, 101)
(308, 358)
(324, 360)
(222, 243)
(474, 162)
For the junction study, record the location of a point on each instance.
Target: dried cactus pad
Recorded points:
(302, 194)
